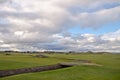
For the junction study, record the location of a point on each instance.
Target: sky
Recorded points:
(60, 25)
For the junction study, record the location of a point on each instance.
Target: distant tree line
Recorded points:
(54, 52)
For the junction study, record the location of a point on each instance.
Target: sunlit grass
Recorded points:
(109, 71)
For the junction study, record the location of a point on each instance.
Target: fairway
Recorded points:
(15, 61)
(110, 69)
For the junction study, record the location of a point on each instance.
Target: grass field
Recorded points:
(110, 69)
(15, 61)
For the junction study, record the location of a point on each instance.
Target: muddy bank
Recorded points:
(4, 73)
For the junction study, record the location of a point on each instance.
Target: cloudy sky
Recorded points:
(60, 25)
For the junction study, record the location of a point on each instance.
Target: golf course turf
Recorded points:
(109, 69)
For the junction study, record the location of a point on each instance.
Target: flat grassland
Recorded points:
(110, 69)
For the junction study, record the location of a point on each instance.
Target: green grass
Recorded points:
(109, 71)
(108, 60)
(15, 61)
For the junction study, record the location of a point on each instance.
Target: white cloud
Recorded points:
(112, 36)
(99, 18)
(86, 42)
(38, 24)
